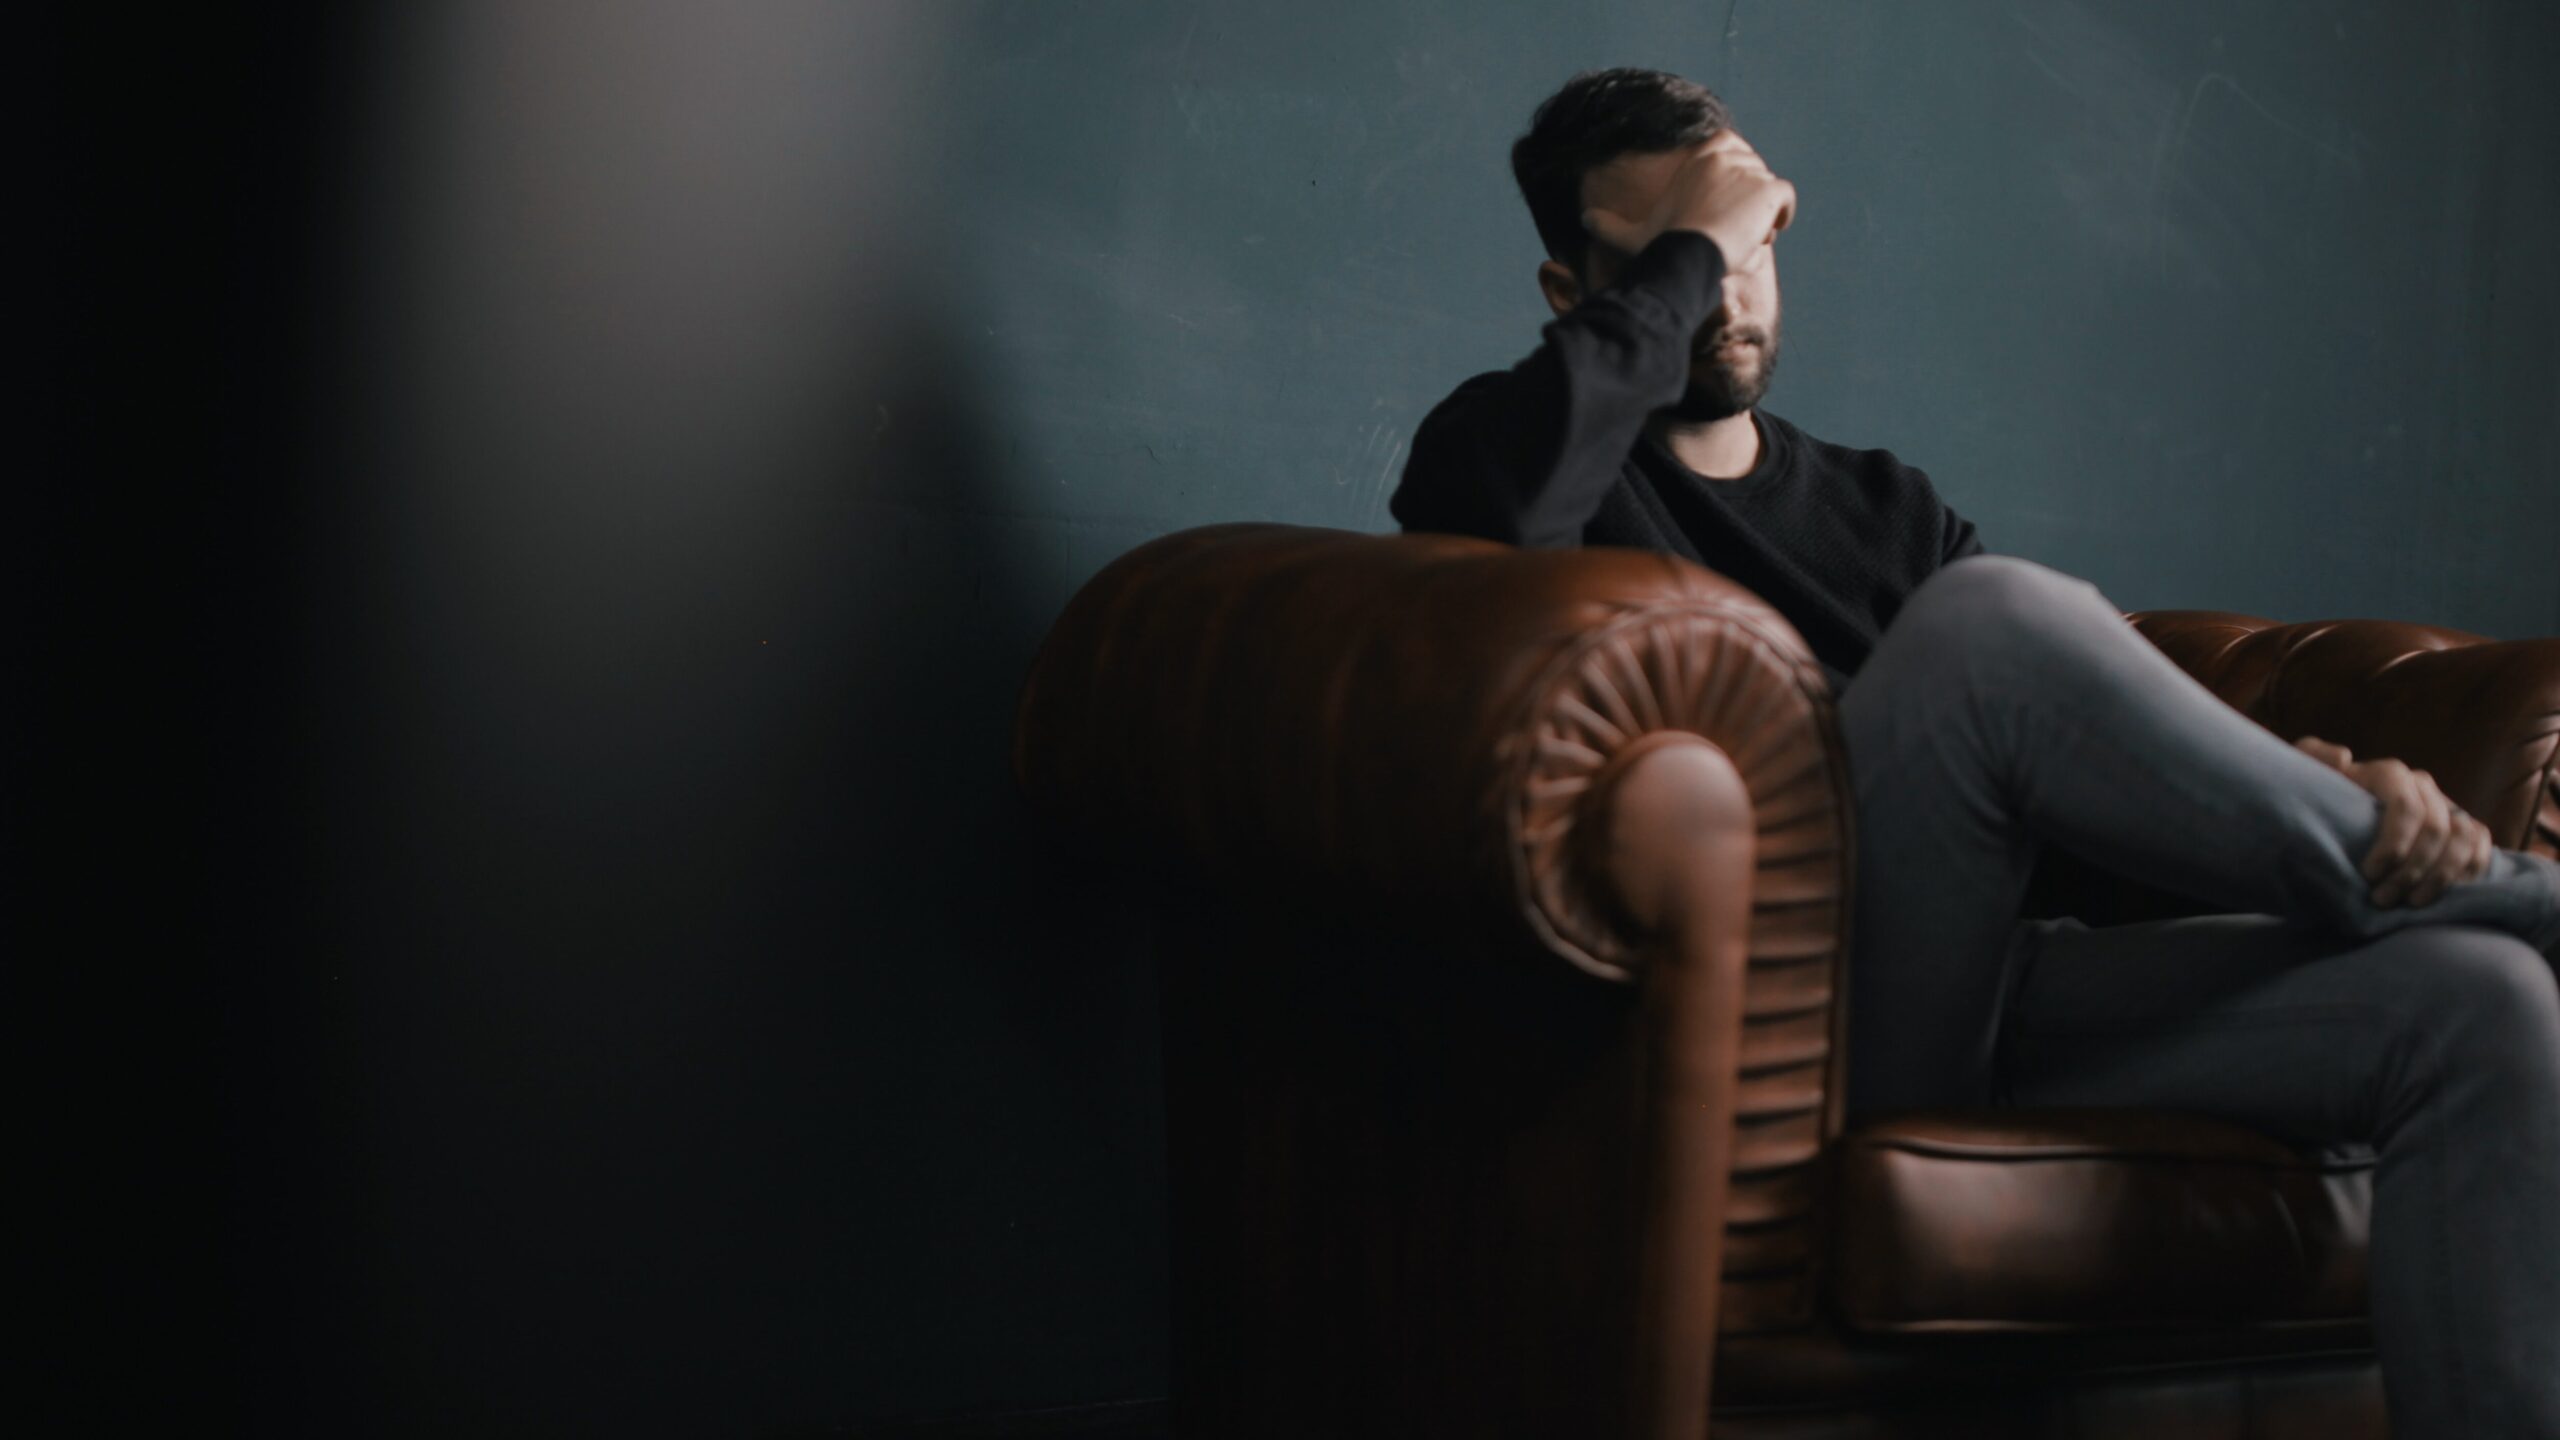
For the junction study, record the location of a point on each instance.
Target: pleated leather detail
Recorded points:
(1726, 672)
(1410, 723)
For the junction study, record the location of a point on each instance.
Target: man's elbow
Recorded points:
(1421, 506)
(1470, 509)
(1486, 524)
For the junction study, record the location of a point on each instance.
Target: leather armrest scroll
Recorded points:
(1413, 722)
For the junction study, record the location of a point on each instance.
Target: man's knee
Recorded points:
(2477, 996)
(1997, 585)
(1998, 604)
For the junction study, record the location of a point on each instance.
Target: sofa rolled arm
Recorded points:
(2481, 716)
(1415, 723)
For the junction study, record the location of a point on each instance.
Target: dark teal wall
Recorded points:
(2231, 306)
(591, 477)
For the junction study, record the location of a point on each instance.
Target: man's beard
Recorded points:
(1727, 391)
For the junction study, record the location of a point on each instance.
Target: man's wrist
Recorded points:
(1684, 267)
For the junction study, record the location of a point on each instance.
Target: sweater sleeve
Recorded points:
(1526, 455)
(1956, 537)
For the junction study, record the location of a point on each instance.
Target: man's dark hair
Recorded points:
(1598, 116)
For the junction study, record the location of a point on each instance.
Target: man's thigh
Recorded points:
(2279, 1026)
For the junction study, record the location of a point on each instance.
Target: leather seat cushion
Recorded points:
(2058, 1221)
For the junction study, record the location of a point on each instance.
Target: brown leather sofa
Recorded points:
(1502, 921)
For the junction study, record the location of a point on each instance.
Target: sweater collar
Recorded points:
(1772, 466)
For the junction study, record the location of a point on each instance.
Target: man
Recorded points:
(2386, 978)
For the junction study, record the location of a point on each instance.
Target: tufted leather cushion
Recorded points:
(2011, 1221)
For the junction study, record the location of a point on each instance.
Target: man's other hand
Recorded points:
(1724, 191)
(2426, 841)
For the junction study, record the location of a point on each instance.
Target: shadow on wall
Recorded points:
(663, 1020)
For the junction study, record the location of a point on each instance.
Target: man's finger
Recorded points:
(2425, 836)
(2426, 847)
(2422, 875)
(2400, 819)
(2484, 848)
(2471, 849)
(2466, 856)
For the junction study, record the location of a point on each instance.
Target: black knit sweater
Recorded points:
(1553, 452)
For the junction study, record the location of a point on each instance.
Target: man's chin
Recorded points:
(1709, 401)
(1719, 391)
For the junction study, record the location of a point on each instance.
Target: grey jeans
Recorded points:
(2009, 705)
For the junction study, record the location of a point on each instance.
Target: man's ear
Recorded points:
(1558, 283)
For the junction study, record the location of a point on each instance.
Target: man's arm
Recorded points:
(1526, 456)
(1956, 539)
